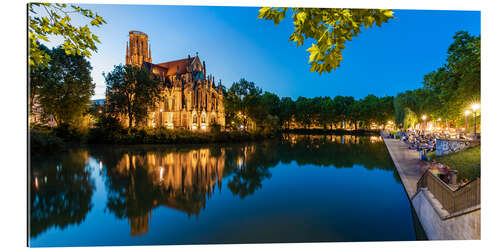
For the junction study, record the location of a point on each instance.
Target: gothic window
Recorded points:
(195, 118)
(203, 118)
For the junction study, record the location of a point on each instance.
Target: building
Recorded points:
(190, 98)
(36, 115)
(99, 102)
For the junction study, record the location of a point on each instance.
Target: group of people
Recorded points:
(426, 143)
(446, 174)
(420, 141)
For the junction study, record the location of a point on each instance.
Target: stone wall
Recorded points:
(439, 225)
(446, 146)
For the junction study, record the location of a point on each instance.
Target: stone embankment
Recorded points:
(437, 223)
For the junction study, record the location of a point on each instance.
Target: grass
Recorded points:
(467, 162)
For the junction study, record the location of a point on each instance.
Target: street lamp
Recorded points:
(475, 107)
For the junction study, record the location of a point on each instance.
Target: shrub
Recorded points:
(44, 142)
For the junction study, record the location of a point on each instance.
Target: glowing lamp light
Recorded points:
(161, 173)
(475, 107)
(424, 117)
(439, 119)
(203, 126)
(467, 112)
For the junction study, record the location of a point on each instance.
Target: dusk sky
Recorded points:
(235, 44)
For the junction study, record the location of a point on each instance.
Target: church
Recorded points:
(190, 98)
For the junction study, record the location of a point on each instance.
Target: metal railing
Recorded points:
(453, 201)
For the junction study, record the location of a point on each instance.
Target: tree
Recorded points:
(410, 118)
(458, 83)
(286, 110)
(131, 91)
(304, 114)
(329, 28)
(37, 78)
(342, 108)
(242, 103)
(355, 111)
(47, 19)
(64, 87)
(385, 110)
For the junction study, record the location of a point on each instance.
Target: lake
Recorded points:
(301, 188)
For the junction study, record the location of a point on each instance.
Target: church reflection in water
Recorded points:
(178, 180)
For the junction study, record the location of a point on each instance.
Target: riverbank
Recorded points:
(438, 224)
(360, 132)
(52, 140)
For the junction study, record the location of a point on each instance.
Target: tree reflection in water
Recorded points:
(61, 190)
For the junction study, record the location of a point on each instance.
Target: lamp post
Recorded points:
(475, 107)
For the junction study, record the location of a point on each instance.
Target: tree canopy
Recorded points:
(329, 28)
(131, 91)
(64, 87)
(448, 91)
(53, 19)
(246, 104)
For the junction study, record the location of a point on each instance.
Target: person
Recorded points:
(434, 169)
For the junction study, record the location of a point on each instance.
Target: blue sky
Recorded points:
(235, 44)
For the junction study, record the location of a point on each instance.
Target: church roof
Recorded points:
(182, 64)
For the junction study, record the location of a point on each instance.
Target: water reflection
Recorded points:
(60, 192)
(139, 179)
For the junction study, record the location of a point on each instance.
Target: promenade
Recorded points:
(437, 223)
(408, 164)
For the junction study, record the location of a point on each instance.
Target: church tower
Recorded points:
(138, 49)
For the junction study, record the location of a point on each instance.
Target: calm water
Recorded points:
(299, 189)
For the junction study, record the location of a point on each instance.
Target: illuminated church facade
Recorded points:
(190, 98)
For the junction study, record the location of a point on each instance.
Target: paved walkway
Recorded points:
(408, 164)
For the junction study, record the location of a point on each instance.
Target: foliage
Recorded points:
(53, 19)
(329, 28)
(245, 103)
(286, 110)
(410, 118)
(452, 88)
(467, 162)
(64, 87)
(162, 135)
(42, 140)
(131, 91)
